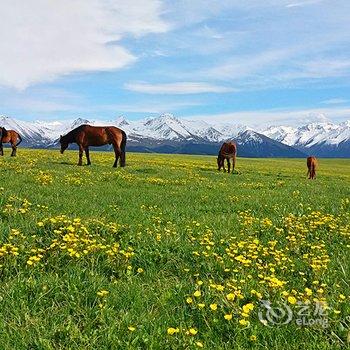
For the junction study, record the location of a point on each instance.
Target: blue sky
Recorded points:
(251, 62)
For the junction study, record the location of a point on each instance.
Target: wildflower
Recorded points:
(264, 322)
(103, 293)
(189, 300)
(248, 307)
(230, 296)
(172, 331)
(253, 338)
(243, 322)
(292, 300)
(228, 317)
(199, 344)
(214, 307)
(197, 293)
(192, 331)
(308, 291)
(140, 270)
(131, 328)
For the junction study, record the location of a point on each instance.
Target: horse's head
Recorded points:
(64, 144)
(220, 161)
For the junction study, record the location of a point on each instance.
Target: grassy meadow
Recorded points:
(168, 253)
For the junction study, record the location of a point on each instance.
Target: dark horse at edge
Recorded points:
(311, 163)
(87, 135)
(9, 136)
(227, 151)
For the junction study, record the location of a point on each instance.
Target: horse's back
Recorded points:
(228, 148)
(99, 135)
(311, 162)
(8, 136)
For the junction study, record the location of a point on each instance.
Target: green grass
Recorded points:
(177, 226)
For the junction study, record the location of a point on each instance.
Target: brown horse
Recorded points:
(227, 151)
(311, 163)
(87, 135)
(9, 136)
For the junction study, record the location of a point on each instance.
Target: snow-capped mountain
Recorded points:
(322, 139)
(170, 134)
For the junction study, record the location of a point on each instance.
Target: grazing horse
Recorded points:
(87, 135)
(227, 151)
(311, 163)
(9, 136)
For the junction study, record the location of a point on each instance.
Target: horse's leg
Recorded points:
(117, 152)
(233, 163)
(81, 151)
(14, 149)
(1, 149)
(87, 153)
(220, 163)
(228, 165)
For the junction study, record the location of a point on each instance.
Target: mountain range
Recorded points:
(169, 134)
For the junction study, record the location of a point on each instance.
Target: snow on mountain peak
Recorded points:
(167, 127)
(79, 121)
(121, 121)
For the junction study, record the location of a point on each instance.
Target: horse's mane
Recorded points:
(71, 134)
(3, 131)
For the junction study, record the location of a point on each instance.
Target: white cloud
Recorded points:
(77, 104)
(303, 3)
(179, 88)
(245, 66)
(335, 101)
(41, 40)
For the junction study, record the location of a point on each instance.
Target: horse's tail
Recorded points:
(122, 147)
(313, 169)
(20, 139)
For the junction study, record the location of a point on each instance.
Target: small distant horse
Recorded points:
(311, 163)
(87, 135)
(227, 151)
(9, 136)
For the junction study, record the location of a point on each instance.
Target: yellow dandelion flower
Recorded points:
(172, 331)
(244, 322)
(248, 307)
(214, 307)
(102, 293)
(228, 317)
(192, 331)
(292, 300)
(230, 296)
(197, 293)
